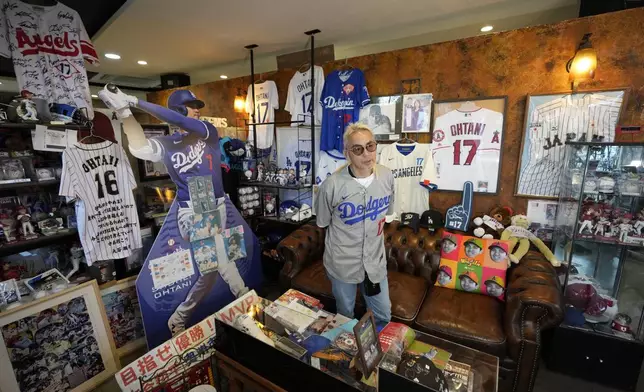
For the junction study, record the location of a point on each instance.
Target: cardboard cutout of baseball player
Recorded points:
(192, 152)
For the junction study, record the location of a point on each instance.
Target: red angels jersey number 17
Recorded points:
(466, 146)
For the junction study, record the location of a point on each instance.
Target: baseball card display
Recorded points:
(266, 101)
(201, 194)
(466, 143)
(48, 46)
(234, 243)
(100, 176)
(551, 121)
(301, 99)
(412, 166)
(416, 114)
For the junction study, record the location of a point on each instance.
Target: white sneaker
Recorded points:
(116, 100)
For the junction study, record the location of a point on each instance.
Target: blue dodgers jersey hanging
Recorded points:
(459, 215)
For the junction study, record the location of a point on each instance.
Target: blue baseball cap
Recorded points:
(184, 98)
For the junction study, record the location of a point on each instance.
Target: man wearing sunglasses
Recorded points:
(352, 204)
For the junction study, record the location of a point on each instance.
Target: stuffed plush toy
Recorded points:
(491, 225)
(518, 232)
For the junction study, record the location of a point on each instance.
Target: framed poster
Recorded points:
(148, 170)
(124, 316)
(369, 350)
(467, 143)
(382, 115)
(416, 113)
(57, 343)
(553, 119)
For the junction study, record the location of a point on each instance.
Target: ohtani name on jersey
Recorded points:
(304, 85)
(100, 160)
(184, 162)
(60, 45)
(261, 96)
(405, 172)
(467, 129)
(339, 104)
(351, 214)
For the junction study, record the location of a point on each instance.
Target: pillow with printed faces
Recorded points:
(472, 264)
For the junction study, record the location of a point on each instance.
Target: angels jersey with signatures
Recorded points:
(300, 99)
(48, 46)
(266, 101)
(412, 165)
(466, 146)
(100, 176)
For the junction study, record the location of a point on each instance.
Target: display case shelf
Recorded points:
(19, 185)
(21, 246)
(273, 185)
(8, 125)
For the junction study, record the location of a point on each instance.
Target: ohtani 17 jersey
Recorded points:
(266, 101)
(300, 100)
(412, 165)
(466, 146)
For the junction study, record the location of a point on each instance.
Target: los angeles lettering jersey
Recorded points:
(266, 101)
(577, 117)
(466, 146)
(329, 163)
(101, 177)
(300, 100)
(48, 46)
(343, 95)
(411, 165)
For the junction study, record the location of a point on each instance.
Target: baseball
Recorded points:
(270, 208)
(251, 212)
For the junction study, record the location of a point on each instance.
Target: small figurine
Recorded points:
(283, 177)
(25, 219)
(639, 223)
(624, 229)
(260, 171)
(602, 224)
(303, 176)
(587, 220)
(8, 228)
(291, 177)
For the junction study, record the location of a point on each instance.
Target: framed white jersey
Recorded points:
(466, 144)
(301, 101)
(266, 101)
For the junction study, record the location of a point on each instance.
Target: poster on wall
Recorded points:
(416, 113)
(124, 316)
(551, 120)
(382, 115)
(467, 143)
(57, 343)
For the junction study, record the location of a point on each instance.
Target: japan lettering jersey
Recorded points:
(300, 99)
(466, 146)
(343, 95)
(266, 101)
(100, 176)
(329, 163)
(48, 46)
(574, 118)
(411, 165)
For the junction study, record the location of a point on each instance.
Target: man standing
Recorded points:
(352, 204)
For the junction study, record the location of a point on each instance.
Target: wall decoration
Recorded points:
(148, 170)
(410, 86)
(416, 113)
(124, 316)
(383, 116)
(58, 343)
(553, 119)
(467, 140)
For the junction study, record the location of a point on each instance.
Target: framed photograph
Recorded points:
(369, 350)
(550, 121)
(416, 113)
(124, 316)
(58, 343)
(467, 143)
(149, 171)
(382, 115)
(410, 86)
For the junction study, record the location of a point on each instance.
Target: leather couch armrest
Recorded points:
(298, 250)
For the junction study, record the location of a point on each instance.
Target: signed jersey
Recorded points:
(300, 99)
(100, 176)
(412, 165)
(266, 101)
(329, 163)
(343, 95)
(48, 46)
(466, 146)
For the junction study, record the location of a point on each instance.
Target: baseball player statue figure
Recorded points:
(192, 152)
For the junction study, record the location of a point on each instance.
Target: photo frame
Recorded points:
(124, 315)
(555, 118)
(65, 340)
(382, 115)
(467, 143)
(417, 113)
(369, 350)
(410, 86)
(148, 170)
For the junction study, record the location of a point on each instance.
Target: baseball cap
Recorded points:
(498, 245)
(431, 220)
(410, 219)
(495, 279)
(475, 241)
(446, 269)
(184, 98)
(471, 275)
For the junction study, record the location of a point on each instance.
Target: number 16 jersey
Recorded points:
(100, 177)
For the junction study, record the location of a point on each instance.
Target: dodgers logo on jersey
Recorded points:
(352, 214)
(183, 162)
(339, 104)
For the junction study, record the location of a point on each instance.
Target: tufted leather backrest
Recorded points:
(412, 253)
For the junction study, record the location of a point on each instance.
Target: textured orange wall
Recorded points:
(514, 63)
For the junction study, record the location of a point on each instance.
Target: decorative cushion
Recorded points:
(473, 264)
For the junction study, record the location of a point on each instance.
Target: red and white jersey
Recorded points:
(266, 101)
(48, 46)
(300, 100)
(466, 146)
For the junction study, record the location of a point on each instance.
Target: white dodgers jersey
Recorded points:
(49, 46)
(266, 101)
(412, 166)
(100, 176)
(329, 163)
(466, 146)
(300, 100)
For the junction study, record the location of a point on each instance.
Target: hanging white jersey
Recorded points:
(48, 46)
(466, 146)
(101, 177)
(300, 100)
(412, 166)
(266, 101)
(329, 163)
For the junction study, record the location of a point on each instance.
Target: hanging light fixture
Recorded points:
(240, 101)
(582, 66)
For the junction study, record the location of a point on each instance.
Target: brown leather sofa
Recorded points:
(510, 330)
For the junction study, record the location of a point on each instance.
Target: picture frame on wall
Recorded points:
(124, 315)
(59, 342)
(416, 113)
(148, 170)
(555, 118)
(467, 143)
(382, 116)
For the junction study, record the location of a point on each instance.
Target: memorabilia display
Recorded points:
(48, 282)
(368, 344)
(458, 216)
(467, 141)
(542, 214)
(265, 102)
(27, 229)
(417, 112)
(382, 116)
(249, 201)
(124, 316)
(12, 171)
(301, 100)
(269, 202)
(9, 294)
(202, 195)
(551, 120)
(57, 343)
(149, 170)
